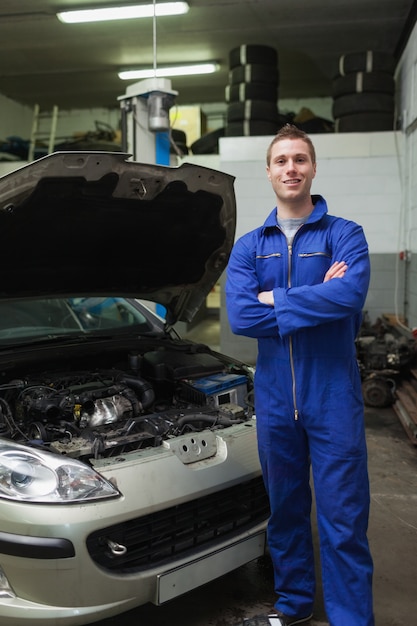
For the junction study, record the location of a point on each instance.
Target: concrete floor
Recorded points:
(392, 534)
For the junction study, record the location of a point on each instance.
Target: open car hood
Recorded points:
(82, 224)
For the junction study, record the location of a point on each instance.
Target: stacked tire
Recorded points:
(252, 92)
(208, 143)
(363, 90)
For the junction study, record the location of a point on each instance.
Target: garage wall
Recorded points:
(15, 118)
(406, 77)
(359, 174)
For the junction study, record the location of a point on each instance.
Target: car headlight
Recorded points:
(36, 476)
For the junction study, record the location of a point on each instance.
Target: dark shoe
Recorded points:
(275, 619)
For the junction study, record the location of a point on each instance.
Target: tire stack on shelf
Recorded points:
(251, 97)
(252, 92)
(363, 92)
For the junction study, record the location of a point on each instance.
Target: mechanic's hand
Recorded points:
(266, 297)
(337, 270)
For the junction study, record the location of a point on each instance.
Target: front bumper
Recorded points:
(80, 588)
(169, 584)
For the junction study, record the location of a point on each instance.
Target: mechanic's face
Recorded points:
(291, 170)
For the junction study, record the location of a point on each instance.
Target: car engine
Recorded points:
(135, 404)
(384, 356)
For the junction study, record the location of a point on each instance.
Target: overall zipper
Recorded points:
(294, 386)
(289, 248)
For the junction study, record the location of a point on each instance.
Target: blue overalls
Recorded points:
(309, 406)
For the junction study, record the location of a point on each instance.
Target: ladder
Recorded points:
(35, 130)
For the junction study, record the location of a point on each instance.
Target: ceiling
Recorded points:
(75, 66)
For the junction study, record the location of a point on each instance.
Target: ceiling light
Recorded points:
(123, 12)
(179, 70)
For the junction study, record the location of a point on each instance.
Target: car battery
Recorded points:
(219, 389)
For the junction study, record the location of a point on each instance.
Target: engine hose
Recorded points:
(144, 389)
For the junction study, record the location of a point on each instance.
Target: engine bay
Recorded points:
(135, 402)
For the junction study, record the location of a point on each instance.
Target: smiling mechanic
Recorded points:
(298, 284)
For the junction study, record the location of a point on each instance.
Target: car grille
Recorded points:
(174, 532)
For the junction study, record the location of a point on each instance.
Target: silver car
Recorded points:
(128, 457)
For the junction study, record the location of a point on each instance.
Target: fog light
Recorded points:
(5, 589)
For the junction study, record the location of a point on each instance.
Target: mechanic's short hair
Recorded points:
(289, 131)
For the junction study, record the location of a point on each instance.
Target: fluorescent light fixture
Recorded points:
(179, 70)
(123, 12)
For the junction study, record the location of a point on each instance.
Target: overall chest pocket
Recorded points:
(309, 268)
(271, 270)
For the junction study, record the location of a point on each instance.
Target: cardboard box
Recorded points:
(190, 119)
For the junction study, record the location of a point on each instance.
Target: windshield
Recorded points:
(22, 319)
